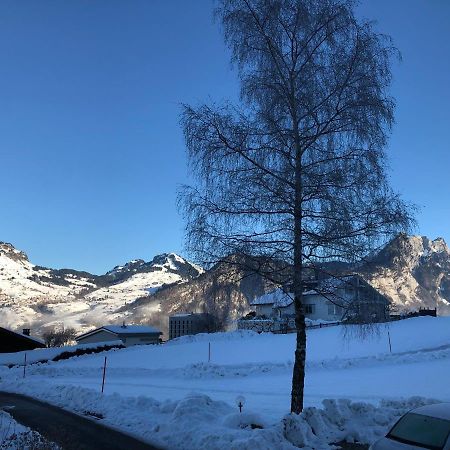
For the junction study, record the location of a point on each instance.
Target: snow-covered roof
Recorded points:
(130, 329)
(121, 330)
(278, 298)
(331, 284)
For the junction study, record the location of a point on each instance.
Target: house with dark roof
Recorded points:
(333, 299)
(14, 341)
(128, 334)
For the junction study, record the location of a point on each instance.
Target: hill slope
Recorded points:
(33, 296)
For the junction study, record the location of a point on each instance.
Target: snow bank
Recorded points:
(14, 436)
(9, 427)
(199, 423)
(342, 420)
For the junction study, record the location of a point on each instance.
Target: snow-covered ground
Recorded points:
(172, 395)
(14, 436)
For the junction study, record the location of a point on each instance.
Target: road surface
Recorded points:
(69, 430)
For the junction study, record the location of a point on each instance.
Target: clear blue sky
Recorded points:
(91, 152)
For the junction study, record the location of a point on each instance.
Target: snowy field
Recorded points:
(171, 395)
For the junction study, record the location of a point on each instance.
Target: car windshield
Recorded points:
(420, 430)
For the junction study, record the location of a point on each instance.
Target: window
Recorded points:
(310, 309)
(334, 310)
(423, 431)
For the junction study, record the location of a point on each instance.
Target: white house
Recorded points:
(128, 334)
(333, 299)
(278, 304)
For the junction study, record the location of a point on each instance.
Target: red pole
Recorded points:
(24, 365)
(104, 373)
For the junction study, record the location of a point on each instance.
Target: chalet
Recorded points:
(13, 341)
(333, 299)
(128, 334)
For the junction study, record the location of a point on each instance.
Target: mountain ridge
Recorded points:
(37, 296)
(412, 271)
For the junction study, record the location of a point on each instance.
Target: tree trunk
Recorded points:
(298, 376)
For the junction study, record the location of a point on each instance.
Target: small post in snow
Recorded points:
(209, 352)
(389, 337)
(24, 365)
(240, 401)
(104, 373)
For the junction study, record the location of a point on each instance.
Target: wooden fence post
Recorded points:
(104, 373)
(389, 337)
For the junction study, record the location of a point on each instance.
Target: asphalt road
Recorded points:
(70, 431)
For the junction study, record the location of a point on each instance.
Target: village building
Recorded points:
(184, 324)
(128, 334)
(334, 299)
(13, 341)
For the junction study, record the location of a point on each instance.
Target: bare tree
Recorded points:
(295, 175)
(59, 336)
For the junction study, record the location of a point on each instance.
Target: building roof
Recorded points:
(331, 284)
(122, 330)
(192, 314)
(24, 336)
(130, 329)
(278, 298)
(327, 287)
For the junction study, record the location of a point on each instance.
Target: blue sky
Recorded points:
(91, 152)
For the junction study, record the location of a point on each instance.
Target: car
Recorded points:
(425, 427)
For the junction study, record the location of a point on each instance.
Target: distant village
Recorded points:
(327, 302)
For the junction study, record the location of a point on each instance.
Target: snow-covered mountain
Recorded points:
(413, 272)
(34, 296)
(225, 291)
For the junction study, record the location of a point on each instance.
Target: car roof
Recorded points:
(438, 410)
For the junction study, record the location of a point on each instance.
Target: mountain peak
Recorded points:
(174, 262)
(439, 245)
(413, 272)
(130, 266)
(169, 263)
